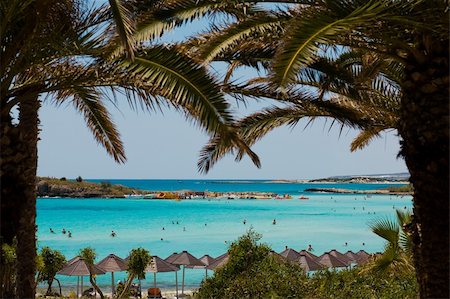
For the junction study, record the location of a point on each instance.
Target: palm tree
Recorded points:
(69, 52)
(139, 259)
(414, 34)
(397, 255)
(89, 255)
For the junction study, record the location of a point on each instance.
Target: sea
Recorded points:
(209, 225)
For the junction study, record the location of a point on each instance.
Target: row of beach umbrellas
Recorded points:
(77, 266)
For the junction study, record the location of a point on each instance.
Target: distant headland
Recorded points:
(78, 188)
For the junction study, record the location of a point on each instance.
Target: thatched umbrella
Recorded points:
(112, 263)
(353, 256)
(207, 260)
(364, 256)
(307, 263)
(308, 253)
(219, 261)
(186, 259)
(331, 261)
(172, 257)
(290, 254)
(79, 267)
(341, 256)
(159, 265)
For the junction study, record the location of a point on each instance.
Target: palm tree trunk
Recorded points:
(424, 129)
(91, 279)
(18, 190)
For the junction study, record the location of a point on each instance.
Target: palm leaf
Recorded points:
(317, 26)
(124, 25)
(87, 102)
(238, 32)
(386, 229)
(364, 138)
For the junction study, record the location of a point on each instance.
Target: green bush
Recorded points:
(252, 273)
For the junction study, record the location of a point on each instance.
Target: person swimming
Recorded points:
(310, 248)
(113, 234)
(69, 234)
(52, 231)
(245, 221)
(63, 231)
(274, 222)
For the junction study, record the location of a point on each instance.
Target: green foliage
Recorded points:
(79, 179)
(88, 254)
(252, 273)
(63, 179)
(105, 185)
(8, 272)
(139, 259)
(51, 261)
(358, 283)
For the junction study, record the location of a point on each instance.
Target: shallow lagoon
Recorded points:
(324, 221)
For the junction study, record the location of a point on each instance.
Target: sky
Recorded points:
(165, 145)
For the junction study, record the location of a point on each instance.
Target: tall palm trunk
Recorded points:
(425, 146)
(18, 178)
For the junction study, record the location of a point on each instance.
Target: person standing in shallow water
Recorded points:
(274, 222)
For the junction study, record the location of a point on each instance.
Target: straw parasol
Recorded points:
(219, 261)
(112, 263)
(353, 256)
(207, 260)
(79, 267)
(290, 254)
(159, 265)
(186, 259)
(364, 256)
(172, 257)
(307, 263)
(308, 253)
(341, 256)
(331, 261)
(277, 256)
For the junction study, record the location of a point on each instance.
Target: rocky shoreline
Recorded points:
(349, 191)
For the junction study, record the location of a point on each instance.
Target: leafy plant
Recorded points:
(139, 259)
(89, 255)
(49, 263)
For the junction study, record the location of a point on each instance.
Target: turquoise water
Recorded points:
(324, 221)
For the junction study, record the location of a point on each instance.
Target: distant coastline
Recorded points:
(63, 188)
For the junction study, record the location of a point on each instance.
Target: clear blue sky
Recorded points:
(165, 145)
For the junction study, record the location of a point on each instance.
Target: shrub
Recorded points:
(252, 273)
(79, 179)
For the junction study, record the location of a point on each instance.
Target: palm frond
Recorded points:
(87, 101)
(317, 26)
(386, 229)
(237, 32)
(184, 83)
(364, 138)
(124, 24)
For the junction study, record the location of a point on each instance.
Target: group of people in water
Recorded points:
(63, 231)
(69, 233)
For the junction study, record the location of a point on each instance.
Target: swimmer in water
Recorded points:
(245, 221)
(113, 233)
(63, 231)
(184, 228)
(69, 234)
(310, 248)
(163, 228)
(274, 222)
(52, 231)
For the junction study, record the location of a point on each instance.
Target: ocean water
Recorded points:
(326, 221)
